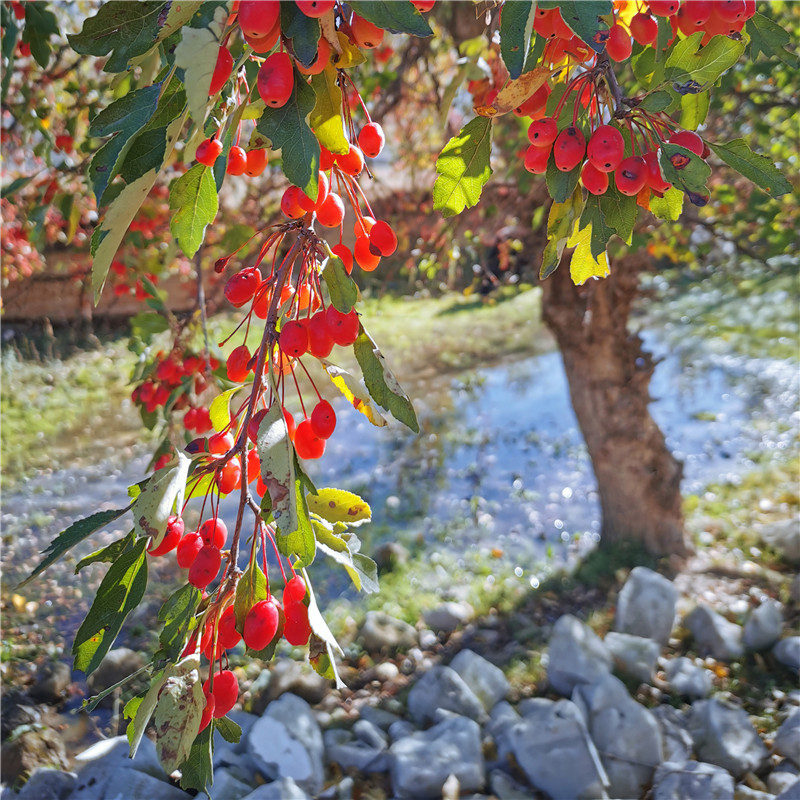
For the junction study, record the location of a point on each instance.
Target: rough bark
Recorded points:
(609, 375)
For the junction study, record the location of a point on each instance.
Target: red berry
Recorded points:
(220, 443)
(294, 591)
(383, 238)
(213, 532)
(64, 142)
(371, 140)
(331, 213)
(343, 252)
(257, 18)
(423, 5)
(225, 691)
(261, 624)
(569, 148)
(237, 161)
(320, 342)
(276, 79)
(644, 29)
(307, 444)
(631, 175)
(543, 132)
(654, 178)
(536, 159)
(326, 158)
(293, 339)
(696, 12)
(664, 8)
(227, 635)
(256, 162)
(535, 104)
(238, 362)
(323, 419)
(343, 328)
(297, 629)
(241, 287)
(618, 45)
(171, 538)
(365, 34)
(205, 567)
(188, 548)
(730, 10)
(253, 425)
(351, 162)
(606, 149)
(364, 257)
(253, 465)
(290, 203)
(594, 179)
(208, 151)
(229, 477)
(290, 426)
(688, 139)
(222, 70)
(315, 8)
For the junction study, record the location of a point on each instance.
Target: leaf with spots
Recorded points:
(337, 505)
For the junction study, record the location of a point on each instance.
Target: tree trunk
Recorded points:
(609, 375)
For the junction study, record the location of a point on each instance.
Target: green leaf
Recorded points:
(601, 232)
(688, 61)
(303, 32)
(337, 505)
(16, 185)
(516, 26)
(229, 730)
(91, 703)
(197, 771)
(298, 541)
(767, 37)
(341, 287)
(119, 593)
(196, 54)
(71, 536)
(560, 222)
(251, 589)
(343, 549)
(178, 15)
(123, 119)
(287, 129)
(755, 167)
(326, 118)
(321, 629)
(656, 101)
(40, 25)
(106, 554)
(583, 17)
(276, 454)
(178, 711)
(381, 382)
(669, 206)
(123, 29)
(463, 168)
(395, 16)
(619, 212)
(194, 199)
(153, 507)
(681, 167)
(140, 709)
(694, 109)
(354, 392)
(561, 185)
(177, 614)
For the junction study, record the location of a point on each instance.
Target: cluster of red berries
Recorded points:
(604, 154)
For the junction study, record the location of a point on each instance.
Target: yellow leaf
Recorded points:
(559, 224)
(355, 393)
(336, 505)
(220, 411)
(326, 118)
(583, 266)
(516, 92)
(347, 54)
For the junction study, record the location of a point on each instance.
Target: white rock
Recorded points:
(692, 781)
(745, 792)
(714, 635)
(784, 536)
(117, 751)
(787, 739)
(283, 789)
(576, 655)
(422, 762)
(678, 744)
(226, 787)
(763, 628)
(646, 605)
(485, 679)
(723, 735)
(139, 784)
(688, 678)
(382, 633)
(449, 616)
(443, 688)
(47, 784)
(633, 655)
(626, 735)
(781, 780)
(553, 748)
(787, 651)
